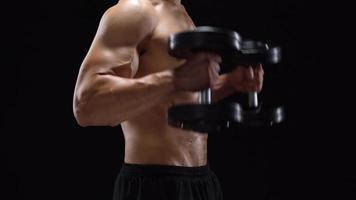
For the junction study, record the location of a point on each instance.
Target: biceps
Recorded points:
(129, 67)
(119, 61)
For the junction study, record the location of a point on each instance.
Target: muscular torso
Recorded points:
(148, 137)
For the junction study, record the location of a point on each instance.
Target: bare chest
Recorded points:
(154, 56)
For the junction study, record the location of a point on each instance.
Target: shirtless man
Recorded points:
(129, 78)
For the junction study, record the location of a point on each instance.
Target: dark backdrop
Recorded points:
(46, 155)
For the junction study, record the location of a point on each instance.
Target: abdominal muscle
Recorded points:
(150, 140)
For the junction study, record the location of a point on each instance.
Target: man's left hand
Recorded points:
(247, 78)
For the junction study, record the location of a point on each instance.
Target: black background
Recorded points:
(46, 155)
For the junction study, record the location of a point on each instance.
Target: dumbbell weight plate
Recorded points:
(263, 116)
(257, 52)
(204, 118)
(204, 39)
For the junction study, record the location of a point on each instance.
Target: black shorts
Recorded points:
(160, 182)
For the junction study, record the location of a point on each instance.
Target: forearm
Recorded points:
(222, 88)
(111, 100)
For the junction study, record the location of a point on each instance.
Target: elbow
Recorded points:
(82, 121)
(82, 111)
(90, 106)
(81, 114)
(86, 115)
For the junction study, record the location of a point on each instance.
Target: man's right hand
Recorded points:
(198, 72)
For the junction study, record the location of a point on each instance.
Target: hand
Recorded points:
(198, 72)
(247, 79)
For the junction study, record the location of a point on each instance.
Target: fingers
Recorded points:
(248, 79)
(200, 71)
(253, 87)
(213, 69)
(255, 83)
(215, 57)
(208, 56)
(258, 72)
(249, 73)
(212, 60)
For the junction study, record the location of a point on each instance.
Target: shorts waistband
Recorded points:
(156, 170)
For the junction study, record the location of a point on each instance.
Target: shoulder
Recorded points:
(132, 18)
(133, 9)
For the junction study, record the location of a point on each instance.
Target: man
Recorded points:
(129, 78)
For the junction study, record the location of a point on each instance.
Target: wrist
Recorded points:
(166, 80)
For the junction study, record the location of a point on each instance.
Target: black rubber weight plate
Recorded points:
(204, 118)
(263, 117)
(217, 40)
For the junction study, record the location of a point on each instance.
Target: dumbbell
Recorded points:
(205, 116)
(255, 114)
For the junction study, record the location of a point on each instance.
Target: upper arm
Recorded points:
(121, 29)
